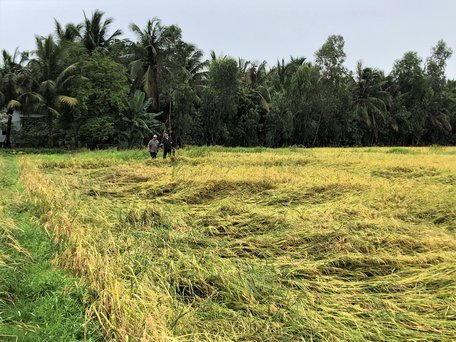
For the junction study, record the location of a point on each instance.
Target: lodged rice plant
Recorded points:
(225, 244)
(8, 227)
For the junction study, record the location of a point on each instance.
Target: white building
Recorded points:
(15, 125)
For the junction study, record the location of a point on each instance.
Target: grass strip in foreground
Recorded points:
(37, 302)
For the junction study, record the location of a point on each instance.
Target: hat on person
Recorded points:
(155, 135)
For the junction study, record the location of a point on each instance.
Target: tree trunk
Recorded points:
(374, 140)
(169, 115)
(9, 125)
(316, 131)
(155, 94)
(50, 130)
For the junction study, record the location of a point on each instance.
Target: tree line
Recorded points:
(92, 88)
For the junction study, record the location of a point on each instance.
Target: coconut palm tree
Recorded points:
(256, 80)
(281, 74)
(95, 34)
(192, 64)
(148, 58)
(51, 81)
(11, 88)
(68, 33)
(243, 66)
(185, 75)
(372, 98)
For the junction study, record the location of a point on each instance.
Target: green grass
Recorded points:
(37, 302)
(401, 150)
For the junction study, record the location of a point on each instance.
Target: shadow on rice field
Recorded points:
(257, 244)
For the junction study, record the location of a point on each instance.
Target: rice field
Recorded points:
(38, 302)
(236, 244)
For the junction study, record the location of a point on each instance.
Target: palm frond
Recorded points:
(47, 86)
(67, 100)
(53, 112)
(13, 104)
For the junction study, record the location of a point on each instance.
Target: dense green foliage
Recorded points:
(82, 80)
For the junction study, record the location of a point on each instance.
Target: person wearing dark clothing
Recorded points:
(167, 144)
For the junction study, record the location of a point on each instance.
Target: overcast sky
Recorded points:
(376, 32)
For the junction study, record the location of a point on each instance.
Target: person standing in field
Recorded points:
(153, 146)
(167, 144)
